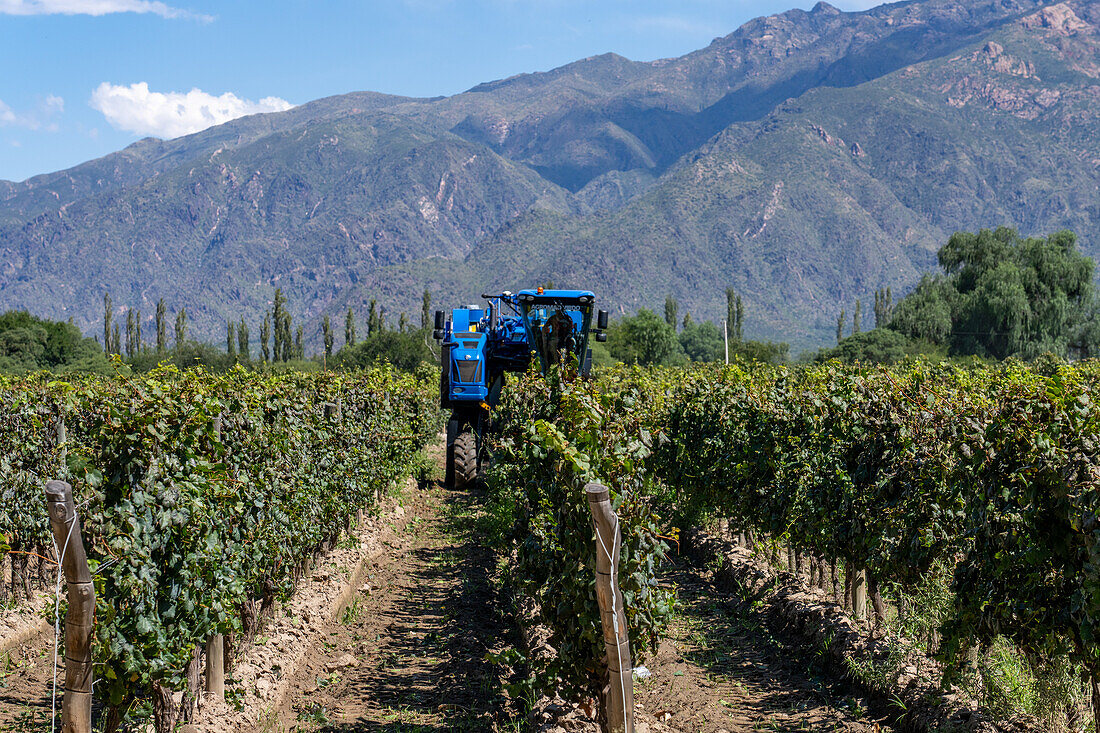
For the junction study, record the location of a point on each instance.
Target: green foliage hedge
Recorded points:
(990, 472)
(557, 434)
(202, 494)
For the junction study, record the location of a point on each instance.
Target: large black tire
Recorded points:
(465, 460)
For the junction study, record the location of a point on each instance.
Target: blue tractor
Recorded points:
(481, 345)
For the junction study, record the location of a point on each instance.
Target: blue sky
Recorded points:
(88, 77)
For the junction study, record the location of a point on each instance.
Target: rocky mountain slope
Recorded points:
(806, 159)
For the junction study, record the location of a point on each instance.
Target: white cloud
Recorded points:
(39, 118)
(95, 7)
(172, 114)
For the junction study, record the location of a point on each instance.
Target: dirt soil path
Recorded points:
(720, 669)
(26, 683)
(409, 653)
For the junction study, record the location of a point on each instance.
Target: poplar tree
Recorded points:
(372, 318)
(130, 333)
(285, 334)
(739, 311)
(242, 341)
(162, 327)
(265, 338)
(671, 310)
(425, 308)
(855, 318)
(349, 328)
(108, 315)
(181, 328)
(840, 326)
(278, 313)
(731, 309)
(735, 316)
(884, 307)
(299, 350)
(403, 322)
(326, 326)
(116, 344)
(687, 320)
(381, 319)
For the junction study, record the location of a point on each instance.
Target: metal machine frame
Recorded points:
(481, 345)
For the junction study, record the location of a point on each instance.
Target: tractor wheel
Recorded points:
(465, 460)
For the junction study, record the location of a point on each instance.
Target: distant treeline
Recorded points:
(30, 344)
(646, 339)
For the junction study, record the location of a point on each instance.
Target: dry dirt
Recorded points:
(720, 669)
(409, 653)
(26, 683)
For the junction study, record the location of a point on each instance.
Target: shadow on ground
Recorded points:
(721, 669)
(432, 671)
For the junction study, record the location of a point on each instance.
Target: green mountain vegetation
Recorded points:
(807, 160)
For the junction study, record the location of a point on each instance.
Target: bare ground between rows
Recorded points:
(719, 670)
(410, 652)
(26, 683)
(26, 657)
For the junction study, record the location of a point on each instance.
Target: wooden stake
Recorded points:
(619, 701)
(76, 707)
(859, 595)
(876, 601)
(849, 572)
(215, 666)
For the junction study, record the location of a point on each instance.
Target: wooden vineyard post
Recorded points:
(215, 666)
(859, 594)
(619, 701)
(215, 645)
(76, 706)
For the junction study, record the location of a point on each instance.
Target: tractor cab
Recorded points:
(557, 324)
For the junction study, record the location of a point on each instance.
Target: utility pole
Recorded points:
(726, 338)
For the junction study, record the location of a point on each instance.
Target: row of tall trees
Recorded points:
(884, 311)
(135, 343)
(280, 339)
(734, 324)
(645, 338)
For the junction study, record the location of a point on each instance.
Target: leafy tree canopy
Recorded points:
(1004, 295)
(29, 344)
(878, 346)
(644, 338)
(766, 352)
(702, 342)
(403, 350)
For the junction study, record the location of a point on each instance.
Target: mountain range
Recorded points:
(805, 160)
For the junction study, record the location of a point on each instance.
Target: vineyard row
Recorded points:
(989, 476)
(202, 498)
